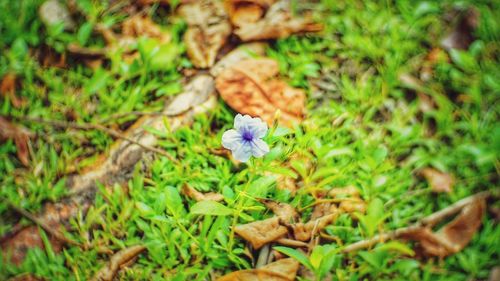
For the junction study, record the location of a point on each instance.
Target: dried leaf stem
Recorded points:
(430, 220)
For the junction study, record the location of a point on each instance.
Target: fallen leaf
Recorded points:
(28, 237)
(439, 181)
(8, 89)
(243, 52)
(323, 209)
(261, 232)
(277, 22)
(304, 231)
(452, 237)
(140, 25)
(20, 135)
(350, 191)
(291, 242)
(285, 212)
(195, 93)
(122, 257)
(353, 205)
(208, 30)
(462, 34)
(250, 87)
(281, 270)
(243, 12)
(54, 12)
(198, 196)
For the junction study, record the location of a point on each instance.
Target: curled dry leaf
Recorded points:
(439, 181)
(304, 231)
(350, 190)
(281, 270)
(140, 25)
(243, 12)
(323, 209)
(198, 196)
(261, 232)
(462, 34)
(19, 135)
(452, 237)
(249, 87)
(8, 89)
(285, 212)
(352, 203)
(208, 30)
(253, 23)
(119, 259)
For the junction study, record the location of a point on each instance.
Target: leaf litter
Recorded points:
(251, 87)
(236, 83)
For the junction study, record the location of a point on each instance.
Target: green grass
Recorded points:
(363, 128)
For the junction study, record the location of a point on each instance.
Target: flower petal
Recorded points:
(257, 127)
(241, 121)
(231, 139)
(259, 148)
(243, 152)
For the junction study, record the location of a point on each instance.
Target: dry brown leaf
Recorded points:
(285, 212)
(323, 209)
(243, 52)
(8, 89)
(350, 190)
(20, 135)
(462, 34)
(291, 243)
(304, 231)
(198, 196)
(439, 181)
(276, 23)
(122, 257)
(452, 237)
(281, 270)
(139, 25)
(208, 30)
(261, 232)
(353, 205)
(249, 87)
(243, 12)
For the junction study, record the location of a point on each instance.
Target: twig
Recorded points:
(131, 113)
(111, 132)
(430, 220)
(51, 230)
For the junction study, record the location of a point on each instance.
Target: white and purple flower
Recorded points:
(245, 139)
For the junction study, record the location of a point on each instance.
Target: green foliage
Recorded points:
(364, 127)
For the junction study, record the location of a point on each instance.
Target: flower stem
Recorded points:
(241, 203)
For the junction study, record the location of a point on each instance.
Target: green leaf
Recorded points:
(144, 209)
(174, 201)
(210, 208)
(296, 254)
(397, 246)
(84, 33)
